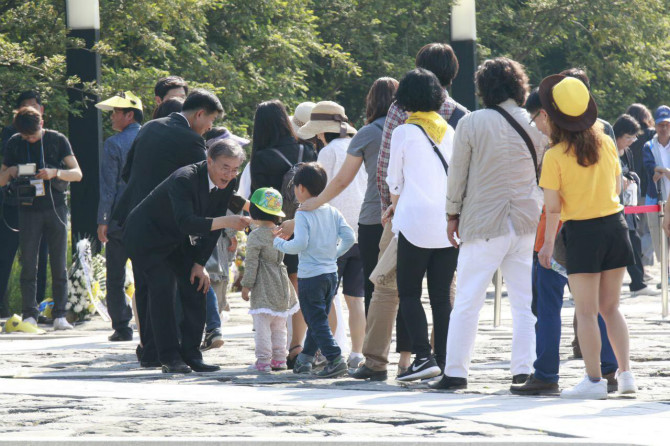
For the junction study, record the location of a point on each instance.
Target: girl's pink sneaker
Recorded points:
(261, 367)
(278, 365)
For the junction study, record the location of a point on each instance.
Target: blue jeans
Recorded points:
(316, 295)
(213, 319)
(550, 285)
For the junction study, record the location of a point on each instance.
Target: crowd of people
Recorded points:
(533, 184)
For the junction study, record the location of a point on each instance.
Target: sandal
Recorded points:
(290, 362)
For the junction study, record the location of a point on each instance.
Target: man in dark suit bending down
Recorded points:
(169, 237)
(161, 147)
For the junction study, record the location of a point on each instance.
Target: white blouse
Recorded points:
(416, 174)
(349, 202)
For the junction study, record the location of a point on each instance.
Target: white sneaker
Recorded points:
(355, 361)
(626, 382)
(587, 390)
(60, 323)
(30, 320)
(646, 291)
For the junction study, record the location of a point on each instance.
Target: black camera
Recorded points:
(21, 188)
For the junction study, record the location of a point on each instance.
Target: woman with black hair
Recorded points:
(417, 179)
(275, 149)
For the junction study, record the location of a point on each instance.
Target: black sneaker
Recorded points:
(421, 368)
(364, 372)
(213, 339)
(121, 336)
(449, 383)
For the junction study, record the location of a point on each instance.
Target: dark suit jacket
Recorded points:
(181, 206)
(161, 147)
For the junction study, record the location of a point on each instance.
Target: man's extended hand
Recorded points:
(46, 174)
(245, 293)
(102, 233)
(236, 222)
(199, 272)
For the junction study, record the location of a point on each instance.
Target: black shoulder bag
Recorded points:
(439, 154)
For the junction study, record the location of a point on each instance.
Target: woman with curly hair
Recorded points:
(495, 220)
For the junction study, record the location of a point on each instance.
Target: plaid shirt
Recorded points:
(395, 117)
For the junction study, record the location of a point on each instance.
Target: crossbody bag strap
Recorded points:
(281, 155)
(300, 152)
(439, 154)
(524, 135)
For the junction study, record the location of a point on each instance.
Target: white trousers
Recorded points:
(478, 260)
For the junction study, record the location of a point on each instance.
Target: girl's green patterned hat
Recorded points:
(268, 200)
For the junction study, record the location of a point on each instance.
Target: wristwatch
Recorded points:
(58, 173)
(451, 217)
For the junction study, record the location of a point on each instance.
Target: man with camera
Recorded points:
(38, 164)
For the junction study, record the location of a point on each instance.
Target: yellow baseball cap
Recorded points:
(568, 102)
(125, 99)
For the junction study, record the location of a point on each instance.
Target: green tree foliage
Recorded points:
(254, 50)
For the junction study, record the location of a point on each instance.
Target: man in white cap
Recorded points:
(126, 119)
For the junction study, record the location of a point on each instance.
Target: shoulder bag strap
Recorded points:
(520, 130)
(439, 154)
(281, 155)
(302, 149)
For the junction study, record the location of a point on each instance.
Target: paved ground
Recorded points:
(77, 385)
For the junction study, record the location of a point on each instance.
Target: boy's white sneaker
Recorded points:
(30, 320)
(626, 382)
(587, 390)
(60, 323)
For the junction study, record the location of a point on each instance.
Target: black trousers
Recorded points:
(149, 352)
(163, 280)
(35, 224)
(368, 245)
(119, 309)
(9, 244)
(439, 265)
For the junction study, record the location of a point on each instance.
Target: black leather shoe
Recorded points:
(449, 383)
(533, 386)
(198, 366)
(364, 372)
(520, 378)
(176, 366)
(150, 364)
(121, 336)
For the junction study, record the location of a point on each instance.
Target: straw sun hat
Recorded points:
(301, 115)
(568, 102)
(326, 117)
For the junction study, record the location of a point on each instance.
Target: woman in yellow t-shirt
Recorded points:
(581, 178)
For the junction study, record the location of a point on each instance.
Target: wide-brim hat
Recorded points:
(326, 117)
(301, 115)
(268, 200)
(126, 99)
(568, 102)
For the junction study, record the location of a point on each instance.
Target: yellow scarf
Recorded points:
(431, 122)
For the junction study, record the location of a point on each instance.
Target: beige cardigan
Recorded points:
(491, 175)
(264, 272)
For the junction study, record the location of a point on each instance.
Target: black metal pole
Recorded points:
(85, 134)
(463, 86)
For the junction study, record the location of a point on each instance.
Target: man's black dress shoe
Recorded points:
(520, 378)
(121, 336)
(150, 364)
(364, 372)
(176, 366)
(449, 383)
(198, 366)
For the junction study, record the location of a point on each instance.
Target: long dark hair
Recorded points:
(585, 144)
(379, 98)
(271, 123)
(642, 114)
